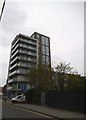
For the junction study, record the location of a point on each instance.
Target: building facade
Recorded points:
(26, 52)
(43, 48)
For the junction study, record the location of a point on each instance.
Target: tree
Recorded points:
(83, 83)
(39, 80)
(33, 77)
(61, 70)
(73, 82)
(39, 77)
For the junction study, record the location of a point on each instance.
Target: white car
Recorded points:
(19, 98)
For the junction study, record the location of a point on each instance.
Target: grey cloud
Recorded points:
(4, 72)
(5, 42)
(12, 17)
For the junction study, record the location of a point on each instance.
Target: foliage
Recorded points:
(32, 96)
(39, 77)
(73, 82)
(64, 78)
(83, 83)
(33, 77)
(61, 79)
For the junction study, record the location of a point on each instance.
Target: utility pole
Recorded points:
(2, 9)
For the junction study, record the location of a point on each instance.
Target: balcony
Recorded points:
(23, 58)
(32, 54)
(18, 72)
(14, 54)
(13, 60)
(13, 66)
(28, 47)
(28, 53)
(26, 59)
(15, 43)
(22, 51)
(10, 81)
(24, 65)
(22, 71)
(15, 48)
(9, 88)
(32, 60)
(28, 41)
(12, 73)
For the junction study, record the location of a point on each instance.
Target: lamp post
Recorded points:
(2, 9)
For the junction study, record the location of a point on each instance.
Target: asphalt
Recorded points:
(55, 113)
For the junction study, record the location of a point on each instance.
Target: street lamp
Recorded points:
(2, 9)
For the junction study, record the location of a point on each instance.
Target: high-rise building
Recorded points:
(43, 48)
(26, 52)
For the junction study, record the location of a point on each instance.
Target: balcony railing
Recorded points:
(28, 53)
(14, 54)
(13, 60)
(9, 88)
(28, 47)
(28, 41)
(12, 73)
(24, 65)
(15, 48)
(10, 81)
(18, 72)
(15, 43)
(13, 66)
(26, 59)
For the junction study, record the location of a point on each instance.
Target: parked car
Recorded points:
(19, 98)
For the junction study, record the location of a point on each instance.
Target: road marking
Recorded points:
(40, 114)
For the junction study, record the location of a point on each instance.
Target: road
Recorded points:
(11, 111)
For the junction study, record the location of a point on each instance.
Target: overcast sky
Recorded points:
(63, 22)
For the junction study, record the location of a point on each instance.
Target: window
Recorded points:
(47, 41)
(19, 97)
(43, 49)
(43, 40)
(47, 59)
(43, 59)
(37, 35)
(47, 50)
(14, 86)
(21, 78)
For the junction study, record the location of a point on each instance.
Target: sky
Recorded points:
(63, 22)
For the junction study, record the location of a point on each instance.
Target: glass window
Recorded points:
(43, 59)
(47, 50)
(47, 41)
(14, 86)
(43, 40)
(18, 96)
(47, 59)
(43, 49)
(37, 35)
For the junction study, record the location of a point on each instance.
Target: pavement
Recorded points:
(55, 113)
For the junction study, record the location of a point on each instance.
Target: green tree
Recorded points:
(39, 80)
(39, 77)
(61, 70)
(33, 77)
(73, 82)
(83, 83)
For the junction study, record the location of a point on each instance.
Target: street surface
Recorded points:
(11, 111)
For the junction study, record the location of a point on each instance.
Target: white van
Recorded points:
(19, 98)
